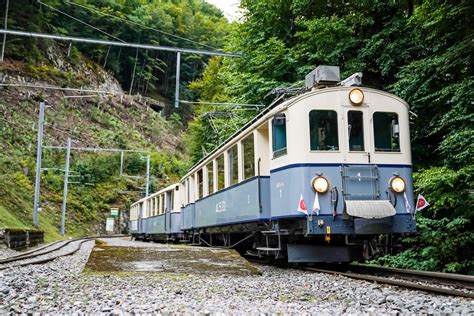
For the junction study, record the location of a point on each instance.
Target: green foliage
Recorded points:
(195, 23)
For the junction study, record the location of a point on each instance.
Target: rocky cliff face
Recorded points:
(87, 104)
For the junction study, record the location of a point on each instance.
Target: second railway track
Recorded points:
(57, 246)
(434, 282)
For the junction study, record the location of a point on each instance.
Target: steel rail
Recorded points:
(45, 260)
(440, 277)
(34, 253)
(405, 284)
(433, 288)
(31, 251)
(115, 43)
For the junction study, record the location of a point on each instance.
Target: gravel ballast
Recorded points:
(61, 286)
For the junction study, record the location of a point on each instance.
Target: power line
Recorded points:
(80, 21)
(122, 44)
(95, 149)
(26, 85)
(138, 24)
(220, 103)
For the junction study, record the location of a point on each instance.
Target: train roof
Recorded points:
(278, 106)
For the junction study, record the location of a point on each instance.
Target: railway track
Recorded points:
(434, 282)
(19, 260)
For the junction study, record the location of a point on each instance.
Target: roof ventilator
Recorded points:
(323, 76)
(329, 76)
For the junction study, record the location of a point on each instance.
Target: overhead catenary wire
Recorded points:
(80, 21)
(138, 24)
(95, 149)
(220, 103)
(114, 43)
(26, 85)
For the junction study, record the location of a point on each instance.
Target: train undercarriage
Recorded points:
(283, 240)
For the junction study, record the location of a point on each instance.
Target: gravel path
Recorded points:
(61, 287)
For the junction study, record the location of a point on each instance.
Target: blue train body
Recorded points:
(306, 191)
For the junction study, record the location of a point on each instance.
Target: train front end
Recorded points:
(341, 184)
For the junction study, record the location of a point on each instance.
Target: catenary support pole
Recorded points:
(5, 35)
(176, 92)
(133, 73)
(147, 175)
(39, 151)
(66, 178)
(121, 163)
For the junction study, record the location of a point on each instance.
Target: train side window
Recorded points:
(279, 135)
(210, 178)
(323, 130)
(220, 172)
(233, 165)
(200, 188)
(356, 130)
(161, 204)
(386, 132)
(188, 190)
(171, 207)
(249, 156)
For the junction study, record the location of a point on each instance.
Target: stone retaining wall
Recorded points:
(18, 238)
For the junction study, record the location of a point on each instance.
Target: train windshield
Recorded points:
(386, 132)
(323, 130)
(356, 130)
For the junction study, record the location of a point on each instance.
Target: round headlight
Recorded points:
(320, 184)
(397, 184)
(356, 96)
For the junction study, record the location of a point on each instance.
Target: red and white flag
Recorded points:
(302, 205)
(421, 203)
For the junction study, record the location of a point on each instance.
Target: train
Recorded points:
(322, 176)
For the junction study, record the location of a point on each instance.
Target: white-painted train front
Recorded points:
(313, 179)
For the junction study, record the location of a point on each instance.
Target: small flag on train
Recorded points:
(421, 203)
(316, 206)
(302, 206)
(407, 203)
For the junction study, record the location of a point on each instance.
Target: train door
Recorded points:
(359, 174)
(356, 141)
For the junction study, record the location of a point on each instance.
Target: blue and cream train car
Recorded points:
(157, 217)
(312, 179)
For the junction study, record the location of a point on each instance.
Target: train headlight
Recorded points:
(320, 184)
(356, 96)
(397, 184)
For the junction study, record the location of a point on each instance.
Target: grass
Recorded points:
(9, 220)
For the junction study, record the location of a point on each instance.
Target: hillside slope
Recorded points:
(91, 120)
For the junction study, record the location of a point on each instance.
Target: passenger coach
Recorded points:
(314, 178)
